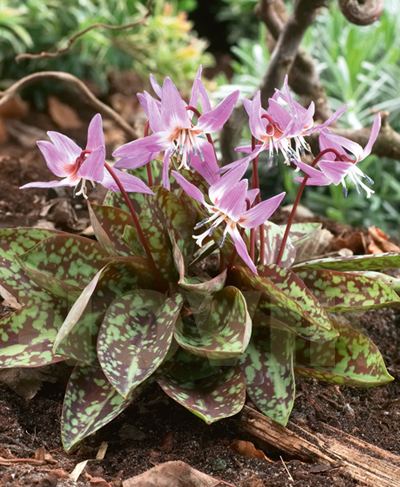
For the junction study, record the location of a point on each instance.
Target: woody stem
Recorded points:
(296, 203)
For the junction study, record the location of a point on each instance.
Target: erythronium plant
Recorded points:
(197, 290)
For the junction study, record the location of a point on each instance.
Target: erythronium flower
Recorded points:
(334, 167)
(275, 127)
(228, 196)
(173, 130)
(66, 159)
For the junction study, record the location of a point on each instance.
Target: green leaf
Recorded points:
(273, 235)
(268, 367)
(27, 335)
(300, 233)
(16, 241)
(351, 359)
(135, 337)
(90, 402)
(393, 282)
(213, 398)
(374, 262)
(280, 305)
(109, 225)
(345, 291)
(221, 331)
(202, 285)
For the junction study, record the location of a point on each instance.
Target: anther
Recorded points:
(344, 192)
(368, 179)
(201, 224)
(222, 241)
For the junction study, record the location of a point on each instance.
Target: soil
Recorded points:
(155, 429)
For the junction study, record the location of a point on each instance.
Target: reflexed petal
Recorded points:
(335, 171)
(330, 120)
(257, 126)
(317, 178)
(95, 133)
(52, 184)
(189, 188)
(245, 148)
(66, 146)
(156, 87)
(153, 114)
(131, 183)
(233, 202)
(372, 138)
(173, 112)
(261, 212)
(325, 142)
(165, 175)
(55, 160)
(252, 194)
(340, 141)
(241, 247)
(199, 90)
(153, 143)
(92, 167)
(247, 105)
(143, 101)
(209, 167)
(214, 120)
(226, 182)
(288, 96)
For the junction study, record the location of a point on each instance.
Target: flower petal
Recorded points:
(189, 188)
(373, 136)
(214, 120)
(131, 183)
(66, 146)
(325, 142)
(335, 171)
(330, 120)
(279, 113)
(165, 175)
(52, 184)
(173, 112)
(95, 133)
(135, 162)
(56, 161)
(227, 182)
(252, 194)
(340, 141)
(209, 167)
(317, 178)
(261, 212)
(247, 105)
(143, 101)
(256, 123)
(93, 166)
(154, 114)
(241, 247)
(156, 87)
(199, 90)
(153, 143)
(233, 202)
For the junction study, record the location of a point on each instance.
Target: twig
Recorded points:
(287, 470)
(361, 12)
(72, 39)
(101, 107)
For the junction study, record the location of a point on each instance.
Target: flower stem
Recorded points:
(296, 203)
(255, 184)
(141, 235)
(148, 165)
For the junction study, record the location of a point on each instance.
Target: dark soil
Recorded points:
(156, 429)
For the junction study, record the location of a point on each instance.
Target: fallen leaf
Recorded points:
(247, 449)
(102, 451)
(9, 300)
(59, 472)
(171, 474)
(63, 115)
(379, 242)
(99, 482)
(355, 241)
(74, 475)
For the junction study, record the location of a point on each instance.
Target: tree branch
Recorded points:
(101, 107)
(72, 39)
(361, 12)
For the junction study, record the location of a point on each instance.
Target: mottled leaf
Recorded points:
(340, 291)
(273, 235)
(135, 337)
(189, 367)
(374, 262)
(351, 359)
(16, 241)
(72, 259)
(109, 225)
(300, 233)
(221, 331)
(90, 402)
(116, 278)
(393, 282)
(214, 398)
(268, 367)
(132, 241)
(203, 286)
(27, 335)
(280, 305)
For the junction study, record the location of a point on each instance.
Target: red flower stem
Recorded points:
(141, 235)
(148, 165)
(296, 203)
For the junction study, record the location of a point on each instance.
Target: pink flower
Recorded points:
(334, 167)
(66, 159)
(228, 196)
(276, 126)
(173, 130)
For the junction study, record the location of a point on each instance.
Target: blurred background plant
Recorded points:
(165, 45)
(359, 66)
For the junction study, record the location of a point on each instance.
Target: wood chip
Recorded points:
(247, 449)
